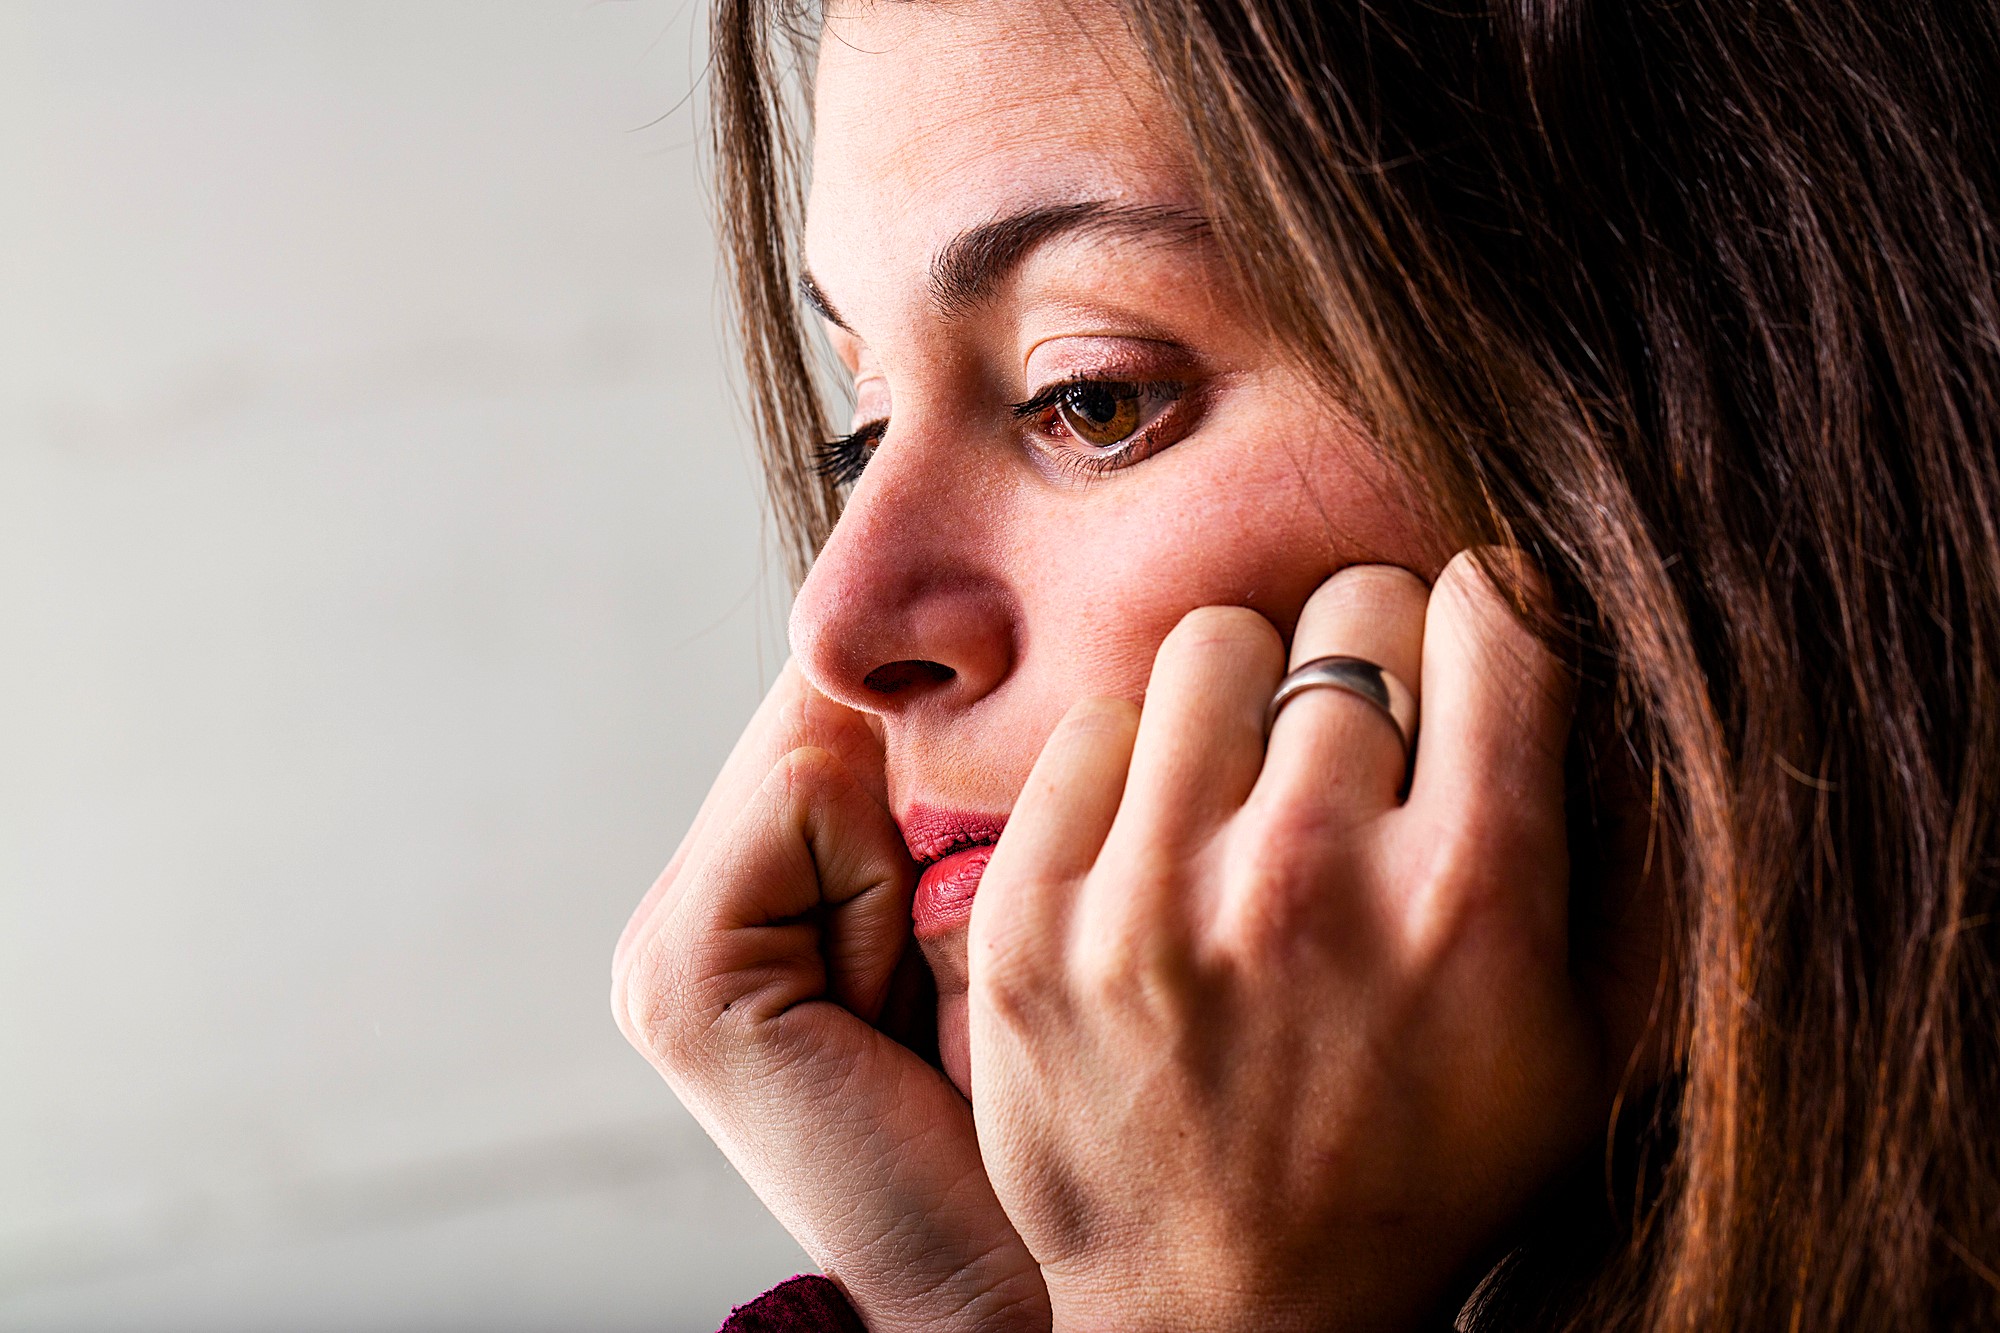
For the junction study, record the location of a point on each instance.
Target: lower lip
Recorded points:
(944, 892)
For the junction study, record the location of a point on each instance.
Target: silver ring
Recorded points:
(1359, 677)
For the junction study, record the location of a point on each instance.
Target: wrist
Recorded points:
(1145, 1305)
(1165, 1299)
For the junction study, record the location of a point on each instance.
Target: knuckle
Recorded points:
(1284, 885)
(1141, 978)
(1288, 829)
(1016, 968)
(1287, 844)
(643, 1003)
(1466, 884)
(1106, 967)
(1276, 894)
(1017, 990)
(1449, 909)
(1013, 1001)
(658, 1000)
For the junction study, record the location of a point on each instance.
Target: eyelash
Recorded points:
(842, 459)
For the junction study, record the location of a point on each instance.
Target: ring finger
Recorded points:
(1328, 745)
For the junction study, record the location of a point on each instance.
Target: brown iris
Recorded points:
(1099, 414)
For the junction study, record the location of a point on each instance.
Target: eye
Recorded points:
(1099, 414)
(1115, 422)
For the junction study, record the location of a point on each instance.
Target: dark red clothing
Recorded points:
(808, 1303)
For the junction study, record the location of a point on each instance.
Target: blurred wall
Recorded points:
(381, 582)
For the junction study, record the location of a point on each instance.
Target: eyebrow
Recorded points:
(967, 268)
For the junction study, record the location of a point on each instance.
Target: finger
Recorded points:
(1055, 831)
(807, 897)
(1329, 748)
(739, 779)
(791, 715)
(1489, 768)
(1201, 733)
(866, 878)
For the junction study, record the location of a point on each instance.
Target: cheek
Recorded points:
(1099, 576)
(1231, 524)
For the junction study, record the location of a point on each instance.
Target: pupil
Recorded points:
(1096, 404)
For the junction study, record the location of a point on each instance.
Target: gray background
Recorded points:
(381, 582)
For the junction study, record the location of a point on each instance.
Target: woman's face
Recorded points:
(1088, 434)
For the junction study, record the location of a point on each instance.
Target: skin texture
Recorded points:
(1344, 1009)
(960, 546)
(1250, 1039)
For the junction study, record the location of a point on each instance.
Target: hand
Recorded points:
(751, 977)
(1258, 1042)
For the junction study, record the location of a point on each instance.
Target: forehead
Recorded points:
(933, 117)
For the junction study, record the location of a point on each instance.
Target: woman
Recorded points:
(1603, 937)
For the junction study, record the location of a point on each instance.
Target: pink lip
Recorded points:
(953, 847)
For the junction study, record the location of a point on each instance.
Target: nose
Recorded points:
(906, 605)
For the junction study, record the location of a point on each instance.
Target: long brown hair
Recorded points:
(1695, 301)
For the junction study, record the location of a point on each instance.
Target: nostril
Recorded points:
(895, 677)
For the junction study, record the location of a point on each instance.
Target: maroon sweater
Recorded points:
(808, 1303)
